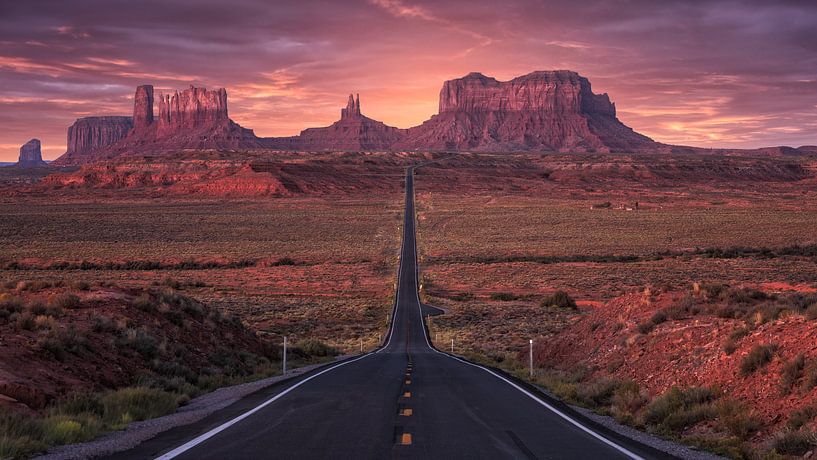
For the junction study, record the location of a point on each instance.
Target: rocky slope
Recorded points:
(353, 131)
(90, 134)
(549, 110)
(701, 338)
(30, 155)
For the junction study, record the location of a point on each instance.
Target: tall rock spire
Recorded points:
(352, 109)
(143, 107)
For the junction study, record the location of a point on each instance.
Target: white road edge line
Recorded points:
(198, 440)
(201, 438)
(556, 411)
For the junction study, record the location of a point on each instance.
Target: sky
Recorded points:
(712, 73)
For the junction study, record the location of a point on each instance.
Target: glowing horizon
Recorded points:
(712, 74)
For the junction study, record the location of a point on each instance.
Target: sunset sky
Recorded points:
(695, 72)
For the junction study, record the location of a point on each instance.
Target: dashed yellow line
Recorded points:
(406, 412)
(408, 381)
(407, 394)
(405, 440)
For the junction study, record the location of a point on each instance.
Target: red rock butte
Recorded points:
(541, 111)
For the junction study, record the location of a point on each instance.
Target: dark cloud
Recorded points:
(705, 72)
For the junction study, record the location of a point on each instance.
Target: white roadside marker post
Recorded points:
(285, 355)
(531, 359)
(361, 345)
(452, 345)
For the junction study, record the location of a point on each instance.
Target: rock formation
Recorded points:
(196, 118)
(89, 135)
(548, 110)
(30, 155)
(353, 131)
(143, 107)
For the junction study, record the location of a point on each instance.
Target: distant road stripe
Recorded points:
(200, 439)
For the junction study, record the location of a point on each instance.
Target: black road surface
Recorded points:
(406, 400)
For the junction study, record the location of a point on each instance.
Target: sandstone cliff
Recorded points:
(547, 110)
(195, 118)
(30, 155)
(91, 134)
(353, 131)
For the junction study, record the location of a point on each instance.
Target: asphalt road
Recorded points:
(407, 400)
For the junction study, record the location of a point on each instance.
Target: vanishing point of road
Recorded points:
(404, 400)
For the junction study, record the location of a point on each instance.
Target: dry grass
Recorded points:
(337, 288)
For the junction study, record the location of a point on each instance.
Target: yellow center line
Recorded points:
(405, 439)
(406, 412)
(407, 394)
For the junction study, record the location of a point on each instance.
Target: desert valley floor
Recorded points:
(682, 267)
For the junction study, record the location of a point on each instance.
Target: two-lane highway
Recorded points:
(407, 400)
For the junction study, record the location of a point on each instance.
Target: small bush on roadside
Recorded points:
(597, 393)
(627, 400)
(679, 409)
(145, 303)
(793, 442)
(559, 299)
(136, 403)
(736, 418)
(758, 357)
(462, 297)
(646, 327)
(317, 348)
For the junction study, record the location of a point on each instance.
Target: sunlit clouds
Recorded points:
(707, 73)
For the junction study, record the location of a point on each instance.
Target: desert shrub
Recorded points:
(683, 307)
(736, 418)
(791, 372)
(725, 446)
(627, 400)
(63, 429)
(140, 341)
(174, 369)
(730, 346)
(559, 299)
(23, 321)
(20, 435)
(64, 301)
(136, 403)
(744, 295)
(678, 409)
(597, 393)
(659, 317)
(9, 305)
(646, 327)
(604, 205)
(740, 333)
(793, 442)
(768, 312)
(811, 312)
(504, 296)
(462, 297)
(283, 261)
(145, 303)
(801, 416)
(81, 285)
(810, 373)
(758, 357)
(713, 290)
(103, 324)
(59, 342)
(312, 347)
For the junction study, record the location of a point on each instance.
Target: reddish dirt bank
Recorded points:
(57, 339)
(703, 338)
